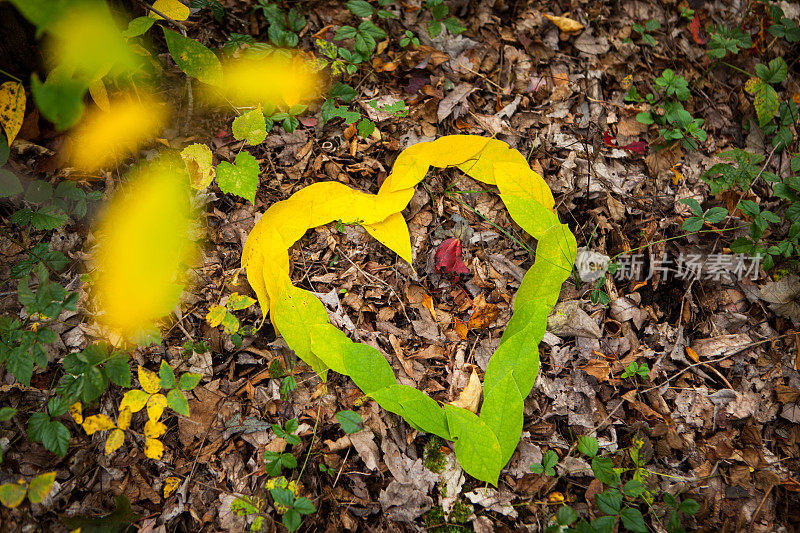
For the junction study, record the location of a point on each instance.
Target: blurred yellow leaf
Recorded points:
(144, 247)
(155, 406)
(12, 108)
(99, 94)
(197, 158)
(124, 418)
(171, 8)
(134, 400)
(76, 410)
(270, 81)
(565, 24)
(470, 397)
(170, 485)
(97, 423)
(114, 441)
(153, 448)
(104, 137)
(149, 380)
(154, 429)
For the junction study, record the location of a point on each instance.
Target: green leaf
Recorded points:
(609, 501)
(166, 375)
(350, 421)
(237, 302)
(7, 413)
(59, 99)
(55, 437)
(365, 127)
(40, 486)
(689, 507)
(138, 26)
(588, 445)
(604, 524)
(692, 224)
(12, 494)
(343, 92)
(250, 127)
(477, 447)
(118, 370)
(304, 506)
(603, 469)
(189, 381)
(693, 204)
(5, 150)
(367, 28)
(20, 364)
(241, 179)
(230, 323)
(345, 32)
(715, 214)
(9, 183)
(292, 520)
(283, 496)
(765, 101)
(360, 8)
(633, 488)
(48, 217)
(775, 72)
(242, 507)
(453, 26)
(566, 515)
(633, 520)
(177, 402)
(193, 58)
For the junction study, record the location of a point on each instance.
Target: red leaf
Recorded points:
(448, 257)
(694, 27)
(608, 140)
(639, 147)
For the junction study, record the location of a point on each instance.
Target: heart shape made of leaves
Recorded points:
(483, 443)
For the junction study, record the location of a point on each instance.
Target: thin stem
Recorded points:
(677, 237)
(313, 437)
(10, 75)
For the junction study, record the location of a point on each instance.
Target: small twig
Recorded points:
(313, 437)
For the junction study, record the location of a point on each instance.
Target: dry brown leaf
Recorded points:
(427, 302)
(565, 24)
(484, 314)
(470, 397)
(461, 328)
(598, 368)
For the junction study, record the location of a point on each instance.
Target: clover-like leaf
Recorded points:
(177, 402)
(12, 494)
(166, 375)
(189, 381)
(154, 429)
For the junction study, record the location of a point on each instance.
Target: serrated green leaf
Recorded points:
(193, 58)
(55, 437)
(588, 445)
(118, 370)
(250, 127)
(48, 217)
(609, 501)
(360, 8)
(633, 520)
(241, 179)
(7, 413)
(765, 101)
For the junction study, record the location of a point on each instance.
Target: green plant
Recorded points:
(275, 462)
(687, 13)
(766, 99)
(409, 38)
(700, 217)
(88, 373)
(636, 369)
(548, 464)
(676, 123)
(283, 27)
(288, 432)
(644, 31)
(12, 494)
(350, 421)
(216, 8)
(784, 28)
(439, 12)
(287, 503)
(724, 40)
(222, 315)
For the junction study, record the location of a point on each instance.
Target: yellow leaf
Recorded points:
(155, 406)
(144, 247)
(134, 401)
(470, 397)
(149, 380)
(173, 9)
(153, 448)
(99, 94)
(12, 108)
(40, 486)
(105, 136)
(76, 410)
(97, 423)
(12, 494)
(197, 158)
(114, 441)
(216, 315)
(154, 429)
(170, 485)
(564, 23)
(124, 418)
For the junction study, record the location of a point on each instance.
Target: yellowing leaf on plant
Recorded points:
(197, 158)
(96, 423)
(134, 401)
(99, 94)
(114, 441)
(237, 302)
(12, 494)
(76, 410)
(149, 380)
(173, 9)
(193, 58)
(40, 486)
(470, 397)
(156, 405)
(153, 449)
(250, 127)
(565, 24)
(124, 418)
(12, 108)
(154, 429)
(144, 247)
(171, 484)
(215, 315)
(105, 137)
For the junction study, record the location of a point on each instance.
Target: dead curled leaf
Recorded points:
(565, 24)
(470, 397)
(484, 314)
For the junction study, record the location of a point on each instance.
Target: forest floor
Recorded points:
(683, 363)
